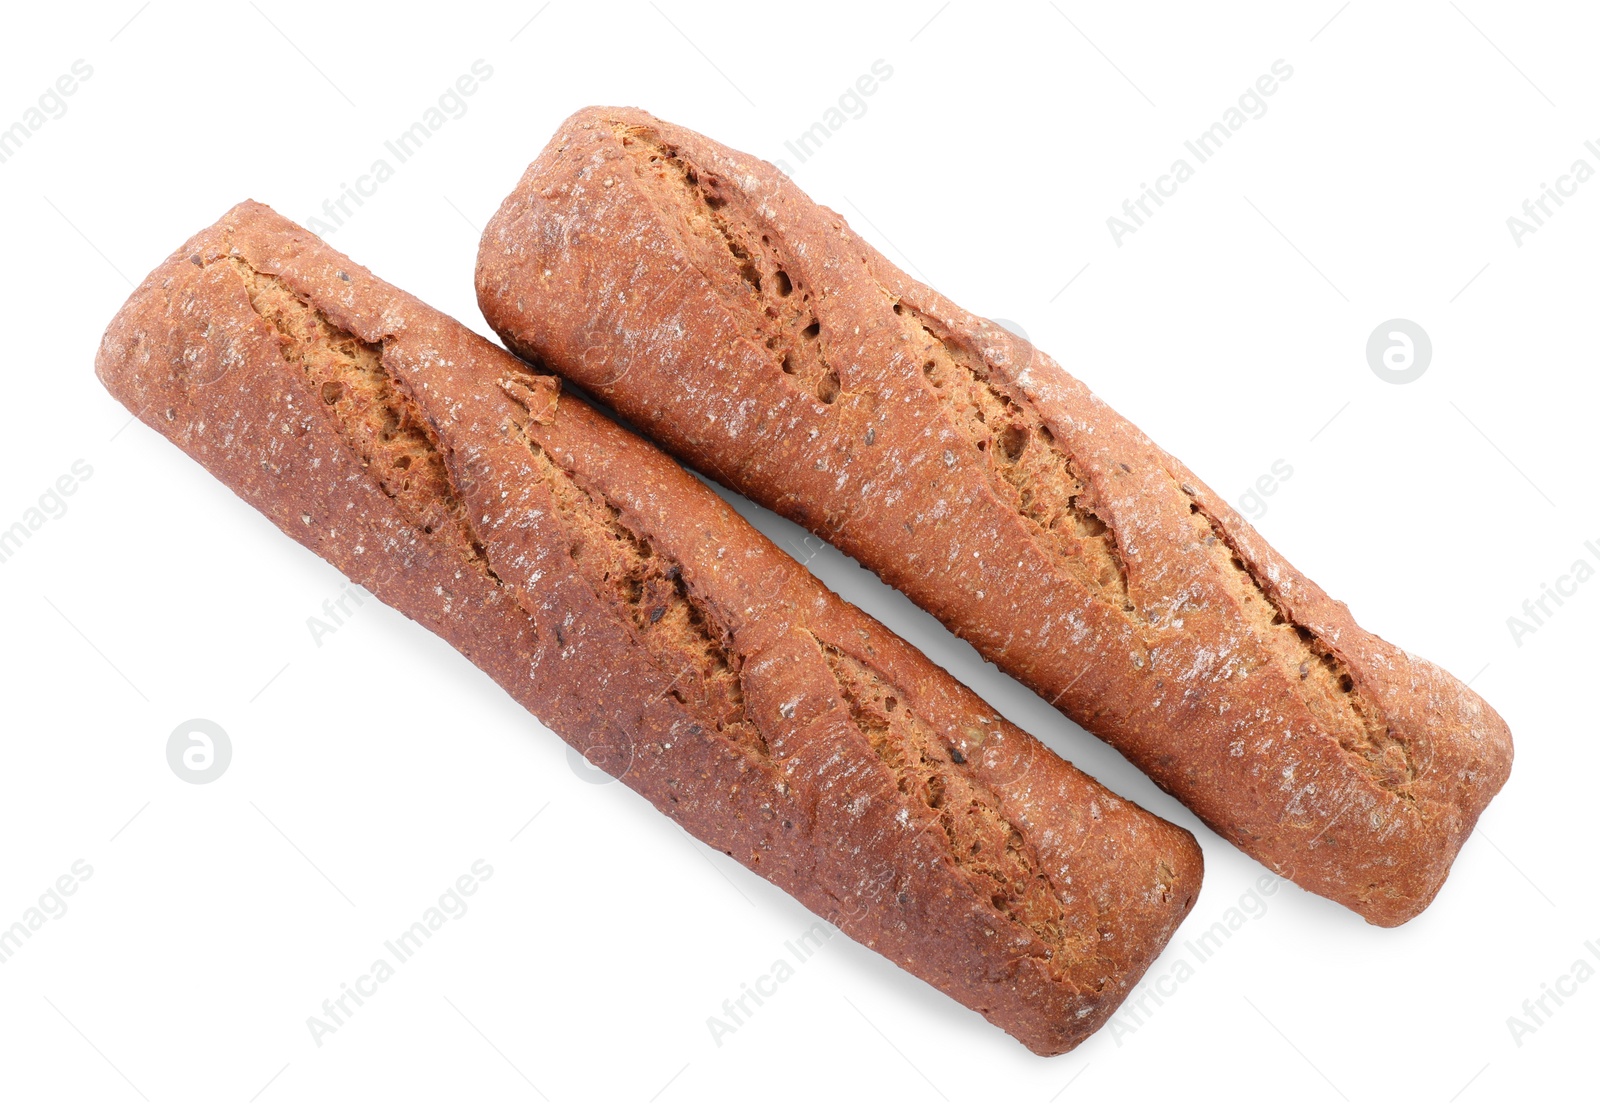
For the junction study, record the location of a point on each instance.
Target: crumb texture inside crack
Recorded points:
(379, 423)
(1320, 678)
(988, 849)
(646, 589)
(1027, 466)
(738, 257)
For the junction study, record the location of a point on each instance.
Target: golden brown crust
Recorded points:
(627, 606)
(747, 329)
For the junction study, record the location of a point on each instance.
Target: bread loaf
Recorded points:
(630, 609)
(753, 334)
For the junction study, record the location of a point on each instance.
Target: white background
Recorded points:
(371, 771)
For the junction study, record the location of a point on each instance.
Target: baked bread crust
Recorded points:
(701, 294)
(622, 602)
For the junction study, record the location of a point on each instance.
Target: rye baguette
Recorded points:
(748, 330)
(624, 604)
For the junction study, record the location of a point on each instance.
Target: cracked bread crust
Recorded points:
(636, 614)
(748, 330)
